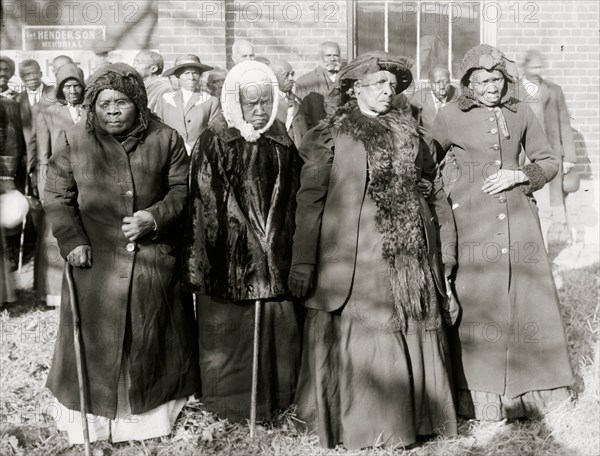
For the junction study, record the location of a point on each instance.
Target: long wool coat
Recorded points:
(239, 236)
(129, 300)
(327, 233)
(511, 338)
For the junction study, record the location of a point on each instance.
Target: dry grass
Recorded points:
(27, 336)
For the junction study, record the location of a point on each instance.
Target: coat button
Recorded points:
(501, 216)
(491, 118)
(130, 247)
(502, 199)
(189, 121)
(129, 194)
(494, 131)
(495, 147)
(497, 163)
(504, 251)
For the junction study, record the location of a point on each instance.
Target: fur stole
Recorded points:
(388, 141)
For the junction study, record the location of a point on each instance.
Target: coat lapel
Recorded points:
(191, 102)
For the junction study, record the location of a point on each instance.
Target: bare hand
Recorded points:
(300, 279)
(503, 180)
(425, 187)
(567, 167)
(140, 224)
(422, 130)
(80, 256)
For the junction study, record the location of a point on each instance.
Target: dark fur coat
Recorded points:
(242, 207)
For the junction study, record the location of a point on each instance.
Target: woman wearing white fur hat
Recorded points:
(244, 177)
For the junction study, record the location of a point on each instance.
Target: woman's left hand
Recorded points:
(425, 187)
(140, 224)
(503, 180)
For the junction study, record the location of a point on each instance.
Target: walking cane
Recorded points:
(23, 226)
(78, 359)
(253, 394)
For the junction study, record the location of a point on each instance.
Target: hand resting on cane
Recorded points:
(80, 256)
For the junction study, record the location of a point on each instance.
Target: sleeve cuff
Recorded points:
(535, 176)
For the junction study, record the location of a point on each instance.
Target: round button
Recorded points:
(495, 147)
(504, 251)
(130, 247)
(189, 121)
(497, 163)
(502, 199)
(491, 118)
(129, 194)
(494, 131)
(501, 216)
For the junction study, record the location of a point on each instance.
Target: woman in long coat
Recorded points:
(50, 122)
(375, 364)
(116, 191)
(509, 354)
(244, 177)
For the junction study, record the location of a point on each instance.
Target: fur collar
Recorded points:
(389, 142)
(228, 134)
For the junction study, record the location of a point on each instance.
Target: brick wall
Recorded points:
(566, 32)
(279, 29)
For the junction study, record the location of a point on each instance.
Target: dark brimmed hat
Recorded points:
(9, 62)
(372, 62)
(187, 60)
(364, 64)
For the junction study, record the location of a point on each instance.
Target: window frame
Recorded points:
(488, 30)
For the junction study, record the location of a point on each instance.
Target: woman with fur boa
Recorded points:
(374, 366)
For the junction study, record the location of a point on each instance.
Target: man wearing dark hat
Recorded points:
(188, 110)
(7, 71)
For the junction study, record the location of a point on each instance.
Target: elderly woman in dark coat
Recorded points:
(375, 366)
(116, 190)
(243, 181)
(509, 354)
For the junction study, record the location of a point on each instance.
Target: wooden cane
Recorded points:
(81, 377)
(253, 394)
(22, 238)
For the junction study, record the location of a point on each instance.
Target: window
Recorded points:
(441, 31)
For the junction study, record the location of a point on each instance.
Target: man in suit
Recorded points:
(188, 110)
(288, 110)
(547, 101)
(34, 97)
(149, 65)
(427, 101)
(313, 88)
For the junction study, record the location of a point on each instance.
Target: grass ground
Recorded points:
(26, 424)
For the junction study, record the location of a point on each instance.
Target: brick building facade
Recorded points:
(567, 32)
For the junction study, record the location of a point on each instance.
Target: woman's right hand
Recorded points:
(80, 256)
(300, 279)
